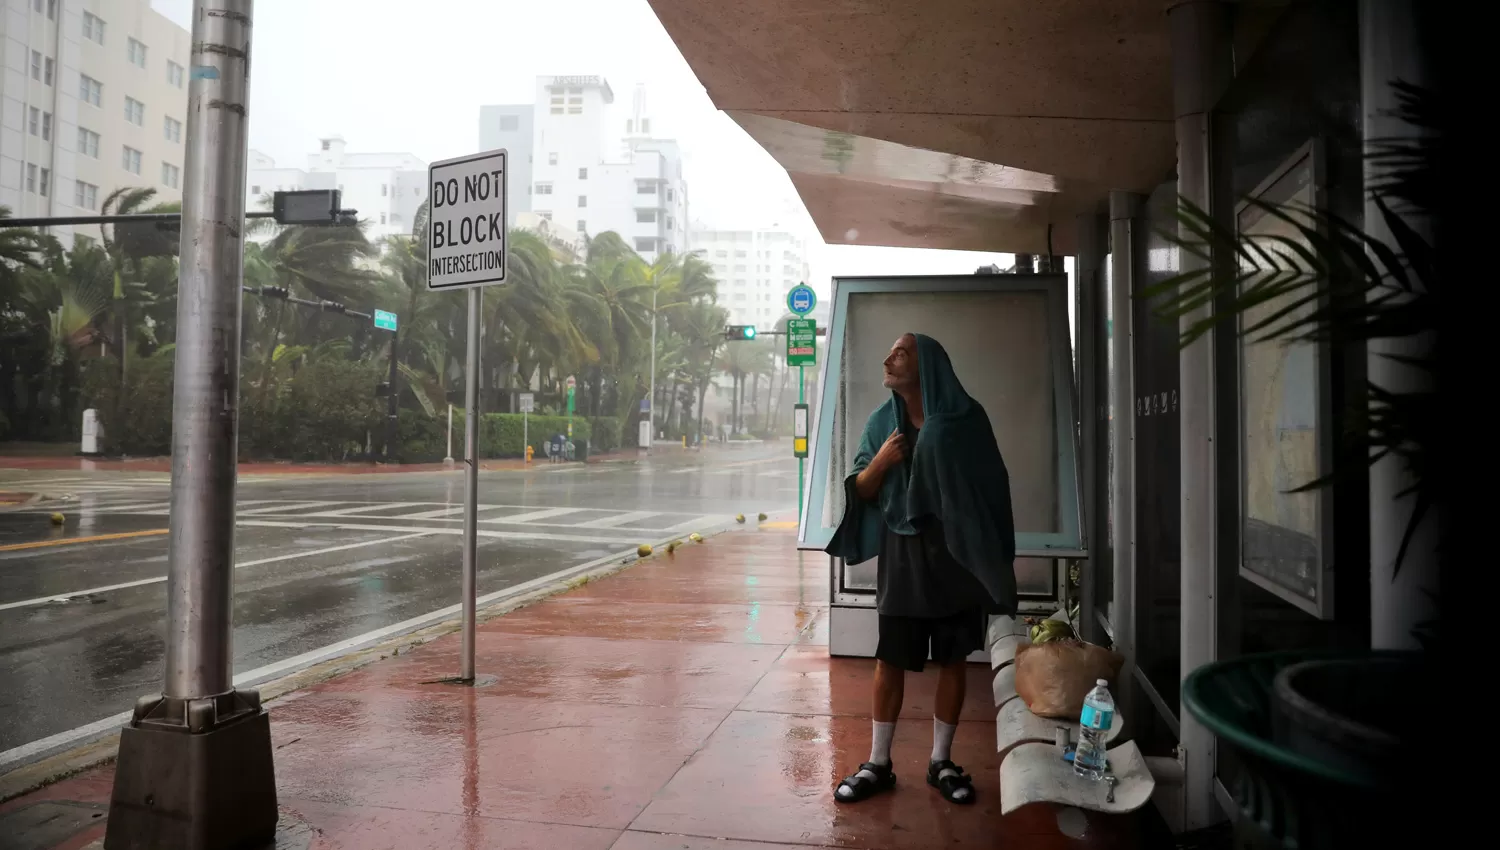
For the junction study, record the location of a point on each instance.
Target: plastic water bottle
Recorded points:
(1089, 759)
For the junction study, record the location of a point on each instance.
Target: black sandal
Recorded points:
(951, 783)
(863, 788)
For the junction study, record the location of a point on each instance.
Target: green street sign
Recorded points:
(385, 321)
(570, 401)
(801, 342)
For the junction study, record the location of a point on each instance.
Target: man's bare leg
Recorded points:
(890, 689)
(952, 683)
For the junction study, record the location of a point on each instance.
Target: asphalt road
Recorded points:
(319, 561)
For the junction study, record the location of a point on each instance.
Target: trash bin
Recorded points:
(581, 451)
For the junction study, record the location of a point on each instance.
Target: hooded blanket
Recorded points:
(954, 472)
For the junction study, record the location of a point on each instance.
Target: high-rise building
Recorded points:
(756, 269)
(385, 189)
(93, 99)
(583, 177)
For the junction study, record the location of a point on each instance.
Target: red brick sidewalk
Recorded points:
(688, 702)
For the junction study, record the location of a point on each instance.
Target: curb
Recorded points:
(101, 747)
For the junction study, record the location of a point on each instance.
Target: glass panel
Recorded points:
(1279, 421)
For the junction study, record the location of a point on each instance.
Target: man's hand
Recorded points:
(892, 452)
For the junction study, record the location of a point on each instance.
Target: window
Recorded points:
(31, 178)
(739, 296)
(46, 182)
(90, 90)
(669, 222)
(670, 194)
(645, 216)
(171, 129)
(551, 159)
(583, 201)
(509, 122)
(645, 243)
(645, 187)
(88, 142)
(135, 112)
(382, 218)
(34, 123)
(556, 110)
(130, 160)
(575, 110)
(93, 28)
(46, 126)
(171, 175)
(174, 74)
(85, 195)
(51, 10)
(740, 268)
(255, 190)
(583, 174)
(544, 188)
(739, 254)
(36, 65)
(583, 226)
(325, 144)
(135, 52)
(721, 253)
(48, 69)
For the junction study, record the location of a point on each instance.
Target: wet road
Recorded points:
(319, 561)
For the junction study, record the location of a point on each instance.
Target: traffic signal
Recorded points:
(739, 332)
(274, 292)
(332, 307)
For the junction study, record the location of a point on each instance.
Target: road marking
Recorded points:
(482, 532)
(63, 597)
(74, 737)
(696, 521)
(786, 523)
(536, 515)
(44, 544)
(440, 512)
(369, 506)
(618, 519)
(290, 506)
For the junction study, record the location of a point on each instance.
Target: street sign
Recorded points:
(645, 405)
(570, 402)
(801, 342)
(385, 321)
(801, 300)
(466, 236)
(799, 430)
(528, 403)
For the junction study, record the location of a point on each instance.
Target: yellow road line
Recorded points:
(780, 524)
(42, 544)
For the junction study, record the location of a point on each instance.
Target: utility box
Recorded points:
(93, 433)
(643, 434)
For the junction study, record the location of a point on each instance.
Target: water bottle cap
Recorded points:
(1101, 683)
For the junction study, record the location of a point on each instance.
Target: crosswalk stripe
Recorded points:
(618, 519)
(482, 532)
(695, 522)
(358, 510)
(288, 507)
(536, 515)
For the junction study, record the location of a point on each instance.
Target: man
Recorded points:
(929, 495)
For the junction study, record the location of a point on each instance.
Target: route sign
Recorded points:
(801, 342)
(385, 321)
(528, 403)
(801, 300)
(466, 237)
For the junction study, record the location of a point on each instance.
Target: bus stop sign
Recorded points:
(801, 300)
(801, 342)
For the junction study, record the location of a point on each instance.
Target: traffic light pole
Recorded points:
(195, 767)
(390, 404)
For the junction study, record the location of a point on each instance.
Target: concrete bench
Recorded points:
(1032, 767)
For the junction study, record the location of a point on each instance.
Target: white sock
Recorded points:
(880, 752)
(942, 747)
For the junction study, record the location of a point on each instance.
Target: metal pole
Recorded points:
(390, 405)
(1124, 220)
(471, 491)
(525, 436)
(801, 461)
(196, 763)
(651, 399)
(448, 458)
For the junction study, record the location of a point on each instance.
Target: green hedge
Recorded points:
(605, 434)
(500, 433)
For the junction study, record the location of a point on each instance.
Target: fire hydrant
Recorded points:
(529, 451)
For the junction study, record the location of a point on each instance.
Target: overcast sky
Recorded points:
(392, 75)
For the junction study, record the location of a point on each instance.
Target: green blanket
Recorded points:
(954, 472)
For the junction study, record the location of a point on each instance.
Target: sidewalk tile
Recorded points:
(373, 828)
(806, 681)
(659, 841)
(774, 624)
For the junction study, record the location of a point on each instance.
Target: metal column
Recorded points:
(1093, 400)
(1125, 230)
(1390, 48)
(195, 764)
(470, 580)
(1202, 68)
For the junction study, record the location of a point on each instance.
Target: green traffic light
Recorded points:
(750, 332)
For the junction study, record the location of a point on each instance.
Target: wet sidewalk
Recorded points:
(686, 703)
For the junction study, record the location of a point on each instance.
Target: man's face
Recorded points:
(901, 365)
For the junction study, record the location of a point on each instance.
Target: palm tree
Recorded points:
(128, 245)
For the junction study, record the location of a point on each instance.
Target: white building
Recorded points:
(756, 269)
(93, 98)
(511, 127)
(386, 189)
(585, 178)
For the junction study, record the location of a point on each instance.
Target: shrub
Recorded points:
(500, 433)
(605, 434)
(329, 410)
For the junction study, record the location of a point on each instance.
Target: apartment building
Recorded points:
(756, 269)
(93, 98)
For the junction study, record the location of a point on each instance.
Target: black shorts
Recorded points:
(904, 641)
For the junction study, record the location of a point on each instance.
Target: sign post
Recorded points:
(801, 351)
(466, 249)
(387, 322)
(572, 385)
(528, 403)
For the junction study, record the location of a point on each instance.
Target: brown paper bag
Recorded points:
(1053, 678)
